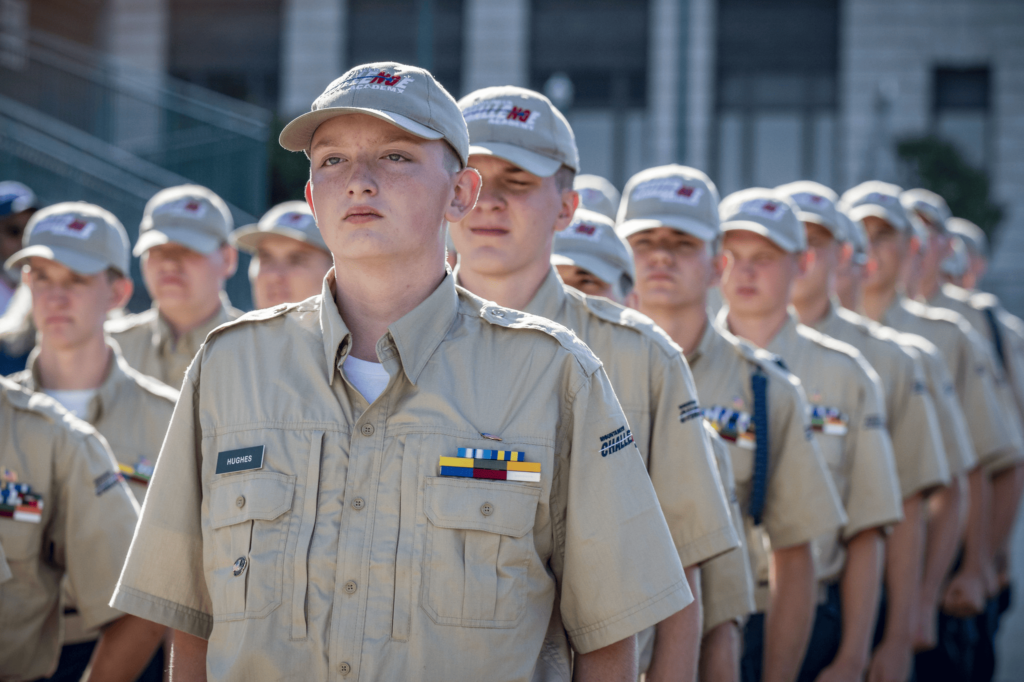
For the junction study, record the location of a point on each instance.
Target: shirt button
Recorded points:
(487, 509)
(358, 503)
(239, 566)
(366, 429)
(350, 587)
(240, 502)
(499, 313)
(345, 668)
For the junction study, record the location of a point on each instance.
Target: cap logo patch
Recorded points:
(298, 221)
(502, 112)
(366, 79)
(66, 226)
(187, 208)
(764, 208)
(877, 198)
(668, 189)
(808, 198)
(587, 231)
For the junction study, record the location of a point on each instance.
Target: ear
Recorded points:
(26, 276)
(845, 253)
(464, 195)
(570, 202)
(230, 256)
(804, 262)
(717, 268)
(122, 289)
(309, 197)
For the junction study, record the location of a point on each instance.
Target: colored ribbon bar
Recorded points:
(500, 455)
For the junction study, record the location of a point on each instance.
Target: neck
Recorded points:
(684, 324)
(813, 309)
(875, 302)
(372, 297)
(758, 329)
(928, 286)
(512, 290)
(185, 318)
(74, 369)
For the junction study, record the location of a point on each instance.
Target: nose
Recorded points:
(491, 198)
(361, 182)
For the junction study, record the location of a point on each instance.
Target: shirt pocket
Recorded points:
(479, 547)
(249, 535)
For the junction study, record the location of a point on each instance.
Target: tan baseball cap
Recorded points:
(406, 96)
(521, 126)
(84, 237)
(291, 219)
(771, 214)
(878, 199)
(958, 260)
(590, 243)
(973, 236)
(815, 203)
(853, 233)
(190, 215)
(597, 194)
(675, 196)
(923, 202)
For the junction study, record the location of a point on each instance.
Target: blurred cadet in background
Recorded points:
(290, 258)
(597, 194)
(591, 258)
(76, 263)
(186, 259)
(17, 335)
(977, 249)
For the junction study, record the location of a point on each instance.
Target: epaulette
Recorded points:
(514, 319)
(627, 317)
(150, 385)
(260, 315)
(983, 300)
(27, 401)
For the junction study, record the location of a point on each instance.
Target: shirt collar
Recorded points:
(829, 318)
(106, 394)
(784, 340)
(706, 339)
(163, 335)
(415, 336)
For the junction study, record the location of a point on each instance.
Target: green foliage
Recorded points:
(935, 164)
(289, 171)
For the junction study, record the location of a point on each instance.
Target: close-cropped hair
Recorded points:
(564, 177)
(113, 274)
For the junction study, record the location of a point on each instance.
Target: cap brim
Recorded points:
(190, 239)
(592, 264)
(248, 237)
(759, 229)
(859, 213)
(696, 228)
(78, 262)
(818, 219)
(297, 136)
(531, 162)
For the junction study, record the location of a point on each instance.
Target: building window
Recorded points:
(424, 33)
(601, 45)
(776, 92)
(961, 103)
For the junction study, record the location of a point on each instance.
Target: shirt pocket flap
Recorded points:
(261, 496)
(502, 508)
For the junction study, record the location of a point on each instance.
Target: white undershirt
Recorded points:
(75, 402)
(369, 378)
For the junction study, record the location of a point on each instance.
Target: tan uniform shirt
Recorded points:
(347, 555)
(149, 346)
(655, 389)
(970, 367)
(801, 502)
(130, 410)
(910, 414)
(85, 526)
(848, 417)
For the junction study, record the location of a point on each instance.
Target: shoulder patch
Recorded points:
(627, 317)
(514, 319)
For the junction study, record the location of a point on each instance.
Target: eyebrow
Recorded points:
(396, 136)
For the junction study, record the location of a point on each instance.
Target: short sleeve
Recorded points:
(682, 467)
(914, 430)
(980, 401)
(801, 501)
(611, 517)
(163, 579)
(873, 493)
(956, 438)
(97, 516)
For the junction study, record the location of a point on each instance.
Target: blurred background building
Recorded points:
(110, 99)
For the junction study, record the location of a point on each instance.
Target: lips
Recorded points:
(361, 214)
(489, 231)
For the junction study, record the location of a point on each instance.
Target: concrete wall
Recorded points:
(312, 51)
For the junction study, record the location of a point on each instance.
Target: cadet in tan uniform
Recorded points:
(597, 194)
(75, 263)
(727, 593)
(977, 251)
(945, 510)
(17, 204)
(910, 417)
(670, 216)
(469, 491)
(526, 154)
(64, 511)
(767, 250)
(290, 258)
(186, 258)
